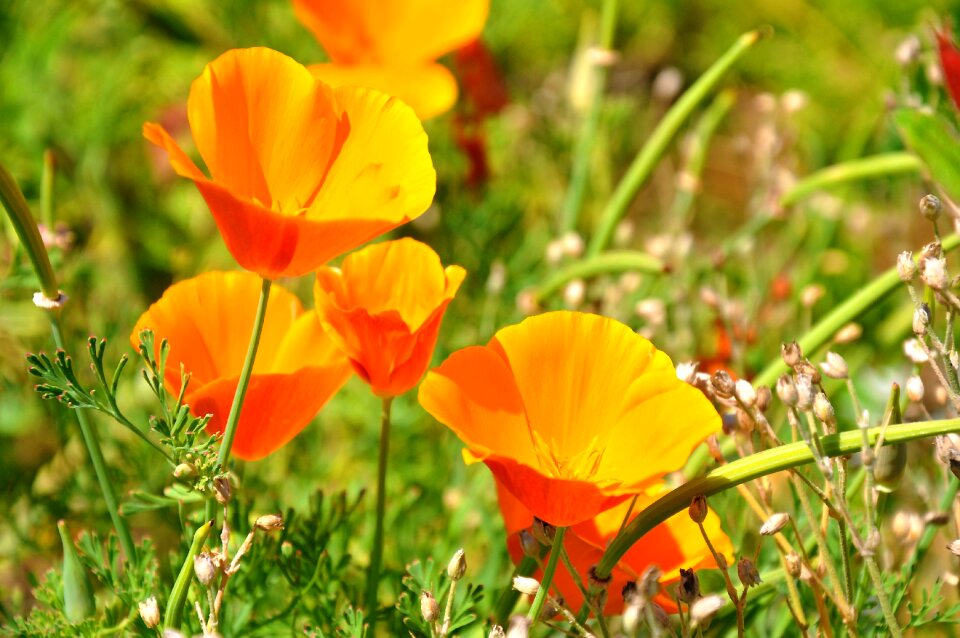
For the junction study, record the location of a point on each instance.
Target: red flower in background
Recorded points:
(950, 61)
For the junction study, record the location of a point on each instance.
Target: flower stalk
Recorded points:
(376, 552)
(555, 551)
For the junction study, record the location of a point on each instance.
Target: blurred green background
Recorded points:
(80, 77)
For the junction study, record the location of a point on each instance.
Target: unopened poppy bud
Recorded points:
(906, 267)
(723, 384)
(222, 489)
(791, 353)
(543, 532)
(787, 390)
(915, 389)
(185, 471)
(78, 599)
(149, 612)
(794, 564)
(848, 334)
(429, 607)
(529, 544)
(774, 524)
(930, 207)
(835, 366)
(269, 522)
(525, 585)
(823, 409)
(457, 566)
(921, 319)
(747, 571)
(705, 608)
(805, 392)
(688, 589)
(698, 508)
(519, 627)
(496, 632)
(764, 398)
(933, 272)
(954, 547)
(204, 568)
(745, 393)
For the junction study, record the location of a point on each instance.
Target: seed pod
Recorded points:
(774, 524)
(748, 573)
(429, 607)
(835, 366)
(848, 334)
(649, 583)
(791, 353)
(544, 532)
(698, 508)
(764, 398)
(723, 384)
(204, 568)
(787, 390)
(529, 544)
(805, 392)
(954, 547)
(921, 319)
(906, 267)
(149, 612)
(933, 272)
(519, 627)
(688, 589)
(457, 566)
(915, 389)
(794, 564)
(823, 410)
(525, 585)
(269, 522)
(496, 632)
(745, 393)
(930, 207)
(78, 601)
(705, 608)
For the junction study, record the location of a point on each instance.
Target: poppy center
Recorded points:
(581, 466)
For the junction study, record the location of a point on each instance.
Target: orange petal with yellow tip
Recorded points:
(397, 32)
(429, 88)
(207, 322)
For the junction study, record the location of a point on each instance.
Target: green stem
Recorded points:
(852, 171)
(544, 591)
(230, 431)
(646, 161)
(509, 595)
(776, 459)
(178, 595)
(613, 261)
(376, 553)
(26, 228)
(46, 189)
(583, 153)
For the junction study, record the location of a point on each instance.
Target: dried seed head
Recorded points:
(687, 371)
(649, 583)
(745, 393)
(823, 409)
(204, 568)
(811, 294)
(791, 353)
(543, 531)
(222, 489)
(835, 366)
(529, 544)
(954, 547)
(698, 508)
(794, 564)
(805, 392)
(574, 293)
(723, 384)
(930, 207)
(496, 632)
(906, 267)
(933, 250)
(921, 319)
(933, 272)
(907, 527)
(519, 627)
(764, 398)
(848, 334)
(915, 388)
(429, 607)
(948, 452)
(525, 585)
(705, 608)
(787, 390)
(150, 612)
(747, 571)
(775, 524)
(745, 422)
(457, 566)
(269, 522)
(551, 607)
(688, 589)
(805, 367)
(915, 352)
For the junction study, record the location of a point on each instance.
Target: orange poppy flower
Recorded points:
(299, 172)
(671, 545)
(391, 45)
(208, 320)
(387, 325)
(573, 413)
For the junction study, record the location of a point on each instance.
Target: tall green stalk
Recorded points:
(555, 551)
(376, 552)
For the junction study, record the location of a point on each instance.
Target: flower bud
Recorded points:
(933, 250)
(525, 585)
(747, 571)
(930, 207)
(787, 390)
(150, 612)
(496, 632)
(823, 409)
(791, 353)
(848, 334)
(835, 366)
(529, 544)
(698, 508)
(222, 489)
(723, 384)
(429, 607)
(915, 389)
(933, 272)
(921, 319)
(705, 608)
(204, 568)
(544, 532)
(764, 398)
(457, 566)
(805, 392)
(794, 564)
(774, 524)
(269, 522)
(745, 393)
(78, 600)
(906, 267)
(688, 589)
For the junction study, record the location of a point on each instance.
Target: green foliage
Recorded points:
(427, 577)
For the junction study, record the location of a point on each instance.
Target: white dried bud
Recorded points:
(519, 627)
(457, 566)
(554, 252)
(745, 393)
(632, 615)
(811, 295)
(954, 547)
(906, 267)
(687, 371)
(823, 409)
(921, 319)
(915, 352)
(649, 583)
(791, 353)
(572, 244)
(805, 392)
(204, 568)
(908, 51)
(787, 390)
(525, 585)
(653, 311)
(574, 293)
(933, 272)
(704, 609)
(150, 612)
(835, 366)
(794, 101)
(915, 389)
(429, 607)
(848, 334)
(933, 250)
(907, 527)
(775, 524)
(667, 84)
(496, 632)
(269, 522)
